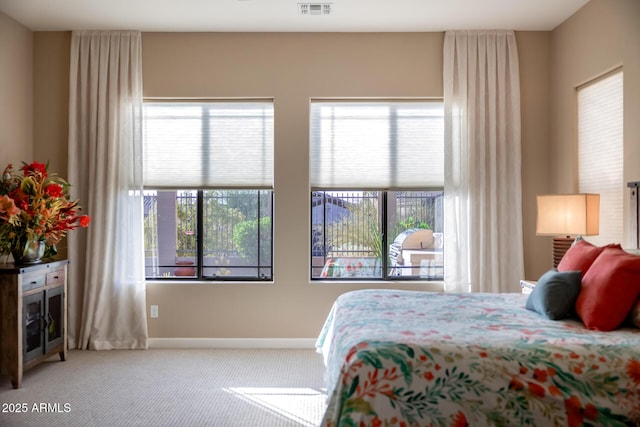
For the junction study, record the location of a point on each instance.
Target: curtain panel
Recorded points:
(483, 192)
(106, 274)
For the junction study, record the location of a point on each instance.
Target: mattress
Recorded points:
(419, 358)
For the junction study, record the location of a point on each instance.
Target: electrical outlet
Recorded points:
(153, 311)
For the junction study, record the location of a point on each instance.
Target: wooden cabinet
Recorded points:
(33, 316)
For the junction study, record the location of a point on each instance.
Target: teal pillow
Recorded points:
(555, 294)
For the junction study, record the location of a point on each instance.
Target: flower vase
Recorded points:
(30, 253)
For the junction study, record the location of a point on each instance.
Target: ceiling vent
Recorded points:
(314, 8)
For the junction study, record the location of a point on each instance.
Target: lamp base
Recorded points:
(560, 246)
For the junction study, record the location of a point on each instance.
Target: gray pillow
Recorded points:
(555, 294)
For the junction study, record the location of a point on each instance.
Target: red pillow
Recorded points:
(609, 289)
(581, 255)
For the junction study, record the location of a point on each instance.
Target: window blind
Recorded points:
(221, 145)
(600, 151)
(376, 145)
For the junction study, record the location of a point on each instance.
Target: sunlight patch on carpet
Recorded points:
(304, 406)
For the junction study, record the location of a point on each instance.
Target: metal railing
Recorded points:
(173, 220)
(344, 224)
(349, 225)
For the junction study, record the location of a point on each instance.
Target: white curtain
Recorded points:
(483, 199)
(106, 271)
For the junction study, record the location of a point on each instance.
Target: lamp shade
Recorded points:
(568, 215)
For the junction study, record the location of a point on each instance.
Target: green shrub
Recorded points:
(245, 238)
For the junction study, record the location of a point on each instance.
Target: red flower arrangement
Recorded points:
(35, 206)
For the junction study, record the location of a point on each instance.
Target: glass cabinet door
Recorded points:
(33, 308)
(54, 317)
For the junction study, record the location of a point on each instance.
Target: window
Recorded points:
(208, 176)
(600, 149)
(377, 178)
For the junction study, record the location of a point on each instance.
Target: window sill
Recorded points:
(206, 282)
(431, 285)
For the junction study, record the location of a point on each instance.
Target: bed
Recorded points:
(410, 358)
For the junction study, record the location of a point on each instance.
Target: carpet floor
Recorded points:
(166, 387)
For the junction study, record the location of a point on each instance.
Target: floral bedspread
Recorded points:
(409, 358)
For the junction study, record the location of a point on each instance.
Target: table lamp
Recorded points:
(567, 216)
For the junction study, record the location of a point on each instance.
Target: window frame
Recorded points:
(167, 271)
(199, 255)
(593, 105)
(383, 220)
(383, 214)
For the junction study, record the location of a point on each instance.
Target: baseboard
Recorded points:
(231, 342)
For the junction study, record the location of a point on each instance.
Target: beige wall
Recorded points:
(533, 50)
(292, 68)
(16, 93)
(601, 36)
(51, 100)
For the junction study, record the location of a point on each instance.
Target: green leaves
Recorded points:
(28, 185)
(399, 354)
(358, 405)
